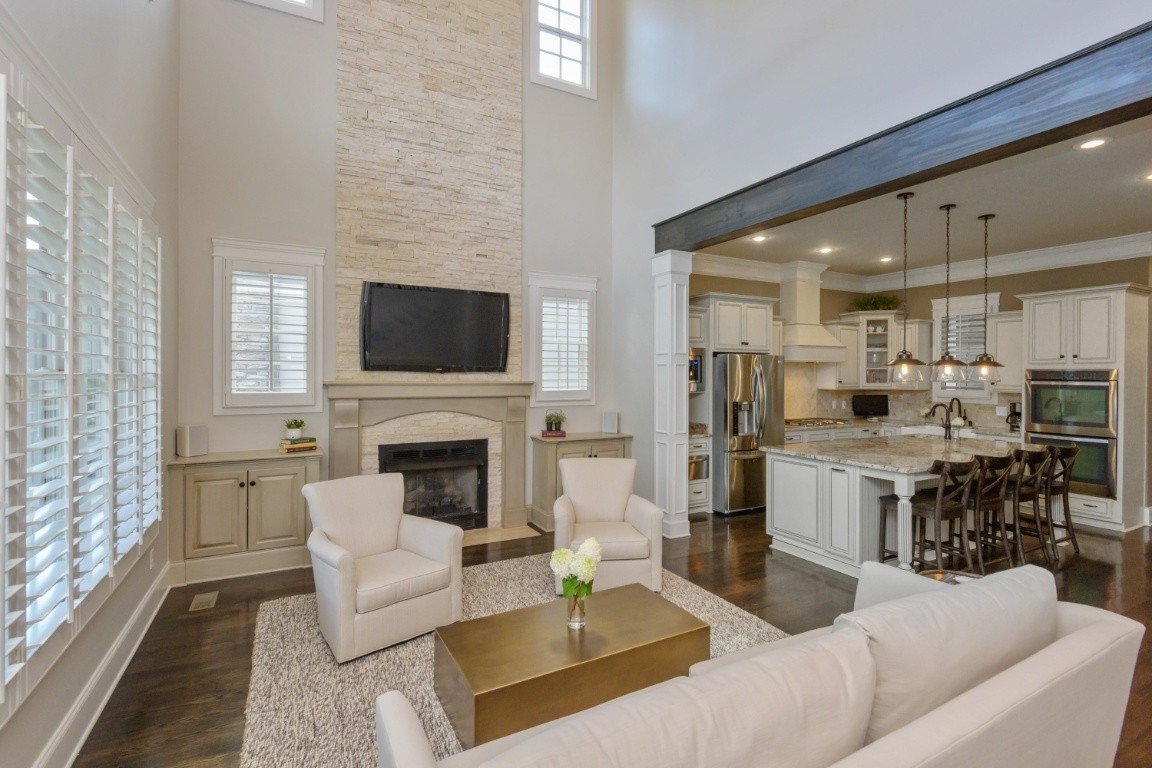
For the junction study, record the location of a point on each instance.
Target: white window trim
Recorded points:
(308, 9)
(962, 305)
(539, 284)
(229, 251)
(532, 52)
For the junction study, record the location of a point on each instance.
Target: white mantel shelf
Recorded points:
(357, 404)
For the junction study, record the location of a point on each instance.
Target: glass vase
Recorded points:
(575, 612)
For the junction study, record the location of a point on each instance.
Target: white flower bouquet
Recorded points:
(577, 569)
(959, 423)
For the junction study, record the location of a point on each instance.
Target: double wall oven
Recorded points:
(1078, 408)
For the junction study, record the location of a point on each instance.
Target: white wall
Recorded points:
(118, 59)
(257, 162)
(567, 210)
(711, 97)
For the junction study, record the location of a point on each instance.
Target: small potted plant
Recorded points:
(554, 421)
(293, 429)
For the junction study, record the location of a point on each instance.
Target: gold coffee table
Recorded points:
(501, 674)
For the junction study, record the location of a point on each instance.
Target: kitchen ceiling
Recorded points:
(1052, 196)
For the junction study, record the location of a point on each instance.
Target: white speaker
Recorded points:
(610, 422)
(191, 440)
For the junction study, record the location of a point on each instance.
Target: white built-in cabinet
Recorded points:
(1006, 343)
(815, 505)
(1102, 327)
(870, 340)
(845, 375)
(237, 513)
(1072, 329)
(697, 326)
(546, 455)
(737, 323)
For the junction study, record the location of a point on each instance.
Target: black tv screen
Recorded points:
(416, 328)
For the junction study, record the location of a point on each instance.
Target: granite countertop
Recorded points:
(886, 421)
(907, 453)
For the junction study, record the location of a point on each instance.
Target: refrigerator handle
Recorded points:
(759, 393)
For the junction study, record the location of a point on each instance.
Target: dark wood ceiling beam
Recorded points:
(1101, 86)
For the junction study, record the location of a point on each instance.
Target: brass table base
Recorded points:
(504, 673)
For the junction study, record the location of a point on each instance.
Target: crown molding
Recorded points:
(1058, 257)
(255, 250)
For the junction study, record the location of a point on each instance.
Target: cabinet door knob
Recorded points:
(241, 483)
(1075, 356)
(744, 343)
(1061, 357)
(251, 482)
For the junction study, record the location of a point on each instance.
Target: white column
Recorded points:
(670, 271)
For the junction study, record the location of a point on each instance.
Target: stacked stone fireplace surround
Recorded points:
(428, 192)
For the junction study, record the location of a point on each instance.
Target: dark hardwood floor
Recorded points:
(181, 701)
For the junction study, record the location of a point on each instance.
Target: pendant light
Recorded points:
(907, 371)
(985, 366)
(947, 370)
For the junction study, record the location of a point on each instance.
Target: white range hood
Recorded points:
(805, 339)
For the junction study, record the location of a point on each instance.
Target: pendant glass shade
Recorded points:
(948, 370)
(907, 371)
(985, 368)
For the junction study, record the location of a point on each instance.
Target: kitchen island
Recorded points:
(823, 499)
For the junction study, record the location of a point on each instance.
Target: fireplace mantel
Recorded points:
(359, 404)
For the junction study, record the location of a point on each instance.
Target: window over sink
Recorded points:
(965, 335)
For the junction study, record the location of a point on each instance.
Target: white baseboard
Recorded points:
(80, 718)
(240, 564)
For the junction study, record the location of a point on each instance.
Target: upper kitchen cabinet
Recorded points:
(871, 339)
(1074, 329)
(737, 323)
(697, 326)
(1006, 343)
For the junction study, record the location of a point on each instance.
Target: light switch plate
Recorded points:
(1001, 410)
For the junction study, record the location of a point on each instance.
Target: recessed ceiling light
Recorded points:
(1148, 177)
(759, 238)
(825, 250)
(885, 259)
(1099, 141)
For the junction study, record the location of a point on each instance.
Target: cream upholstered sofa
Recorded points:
(382, 577)
(994, 672)
(598, 503)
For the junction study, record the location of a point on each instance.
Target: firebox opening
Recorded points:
(446, 481)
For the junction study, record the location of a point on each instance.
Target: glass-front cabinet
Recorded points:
(872, 339)
(877, 334)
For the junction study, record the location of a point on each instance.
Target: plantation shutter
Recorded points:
(125, 380)
(565, 337)
(47, 531)
(92, 384)
(268, 344)
(963, 336)
(150, 447)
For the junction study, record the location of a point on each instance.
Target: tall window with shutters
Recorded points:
(81, 452)
(562, 46)
(964, 333)
(562, 337)
(268, 302)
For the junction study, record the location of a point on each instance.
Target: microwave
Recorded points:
(695, 369)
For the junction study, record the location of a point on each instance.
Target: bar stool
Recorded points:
(1025, 487)
(947, 502)
(1056, 484)
(987, 503)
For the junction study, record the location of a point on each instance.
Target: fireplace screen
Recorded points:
(446, 481)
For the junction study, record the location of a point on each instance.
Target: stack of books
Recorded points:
(297, 445)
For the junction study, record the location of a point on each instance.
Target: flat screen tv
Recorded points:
(417, 328)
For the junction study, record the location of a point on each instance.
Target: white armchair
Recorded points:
(382, 577)
(598, 502)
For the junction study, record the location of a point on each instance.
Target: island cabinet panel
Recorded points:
(794, 511)
(840, 512)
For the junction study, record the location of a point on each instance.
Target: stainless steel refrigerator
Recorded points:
(747, 412)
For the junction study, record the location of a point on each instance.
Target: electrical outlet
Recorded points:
(1001, 410)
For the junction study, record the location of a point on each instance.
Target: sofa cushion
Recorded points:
(930, 648)
(390, 577)
(804, 706)
(618, 541)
